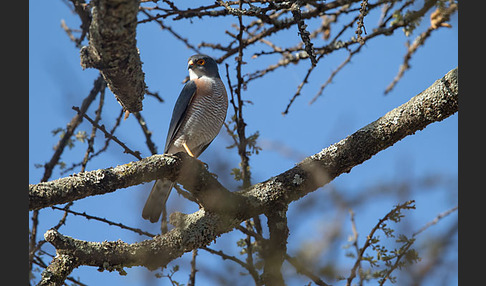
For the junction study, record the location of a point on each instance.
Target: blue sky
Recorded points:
(354, 99)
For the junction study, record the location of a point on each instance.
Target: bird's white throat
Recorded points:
(192, 75)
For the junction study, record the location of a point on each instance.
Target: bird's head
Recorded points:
(202, 65)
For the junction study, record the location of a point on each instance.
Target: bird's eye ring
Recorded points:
(201, 62)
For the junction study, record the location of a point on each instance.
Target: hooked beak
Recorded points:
(190, 64)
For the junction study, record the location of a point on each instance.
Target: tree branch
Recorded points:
(71, 127)
(276, 247)
(193, 231)
(57, 272)
(81, 185)
(112, 49)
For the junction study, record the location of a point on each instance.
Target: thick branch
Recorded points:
(195, 230)
(189, 172)
(275, 248)
(436, 103)
(85, 184)
(56, 273)
(112, 49)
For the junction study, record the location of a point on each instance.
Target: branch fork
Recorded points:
(230, 209)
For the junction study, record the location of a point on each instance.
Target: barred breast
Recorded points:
(205, 116)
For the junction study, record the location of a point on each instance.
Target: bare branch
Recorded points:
(104, 220)
(96, 182)
(59, 149)
(146, 132)
(438, 19)
(434, 104)
(304, 34)
(71, 127)
(91, 138)
(170, 30)
(195, 230)
(192, 276)
(304, 271)
(57, 272)
(107, 142)
(112, 49)
(360, 25)
(250, 269)
(334, 72)
(102, 128)
(276, 248)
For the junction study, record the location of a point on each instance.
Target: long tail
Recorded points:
(156, 200)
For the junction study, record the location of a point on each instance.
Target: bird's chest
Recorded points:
(204, 102)
(206, 111)
(205, 87)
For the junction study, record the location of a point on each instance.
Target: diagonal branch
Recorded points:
(193, 231)
(434, 104)
(71, 127)
(113, 50)
(107, 134)
(57, 272)
(98, 87)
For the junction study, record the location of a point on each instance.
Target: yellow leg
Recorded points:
(187, 149)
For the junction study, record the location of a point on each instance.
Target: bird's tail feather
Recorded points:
(156, 200)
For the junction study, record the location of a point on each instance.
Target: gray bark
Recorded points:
(113, 50)
(192, 231)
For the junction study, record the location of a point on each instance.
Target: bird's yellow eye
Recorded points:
(201, 62)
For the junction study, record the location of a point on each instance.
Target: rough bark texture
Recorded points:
(61, 266)
(276, 247)
(195, 230)
(189, 172)
(112, 49)
(436, 103)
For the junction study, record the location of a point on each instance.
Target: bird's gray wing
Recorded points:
(180, 111)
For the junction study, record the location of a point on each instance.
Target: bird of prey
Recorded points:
(198, 115)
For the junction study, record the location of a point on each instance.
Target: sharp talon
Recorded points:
(188, 150)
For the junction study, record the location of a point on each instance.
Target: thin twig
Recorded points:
(104, 220)
(154, 94)
(59, 149)
(240, 123)
(436, 22)
(192, 276)
(436, 220)
(146, 132)
(360, 24)
(103, 149)
(253, 273)
(71, 127)
(171, 31)
(294, 262)
(404, 249)
(107, 134)
(299, 89)
(335, 72)
(369, 238)
(93, 130)
(304, 271)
